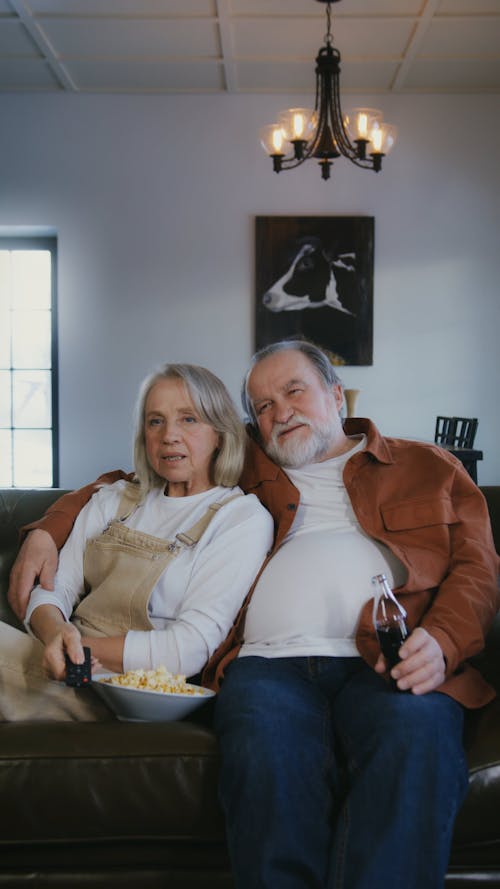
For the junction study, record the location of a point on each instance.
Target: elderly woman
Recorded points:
(154, 571)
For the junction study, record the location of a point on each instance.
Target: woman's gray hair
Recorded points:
(319, 360)
(213, 405)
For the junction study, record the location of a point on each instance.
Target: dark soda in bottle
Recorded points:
(389, 620)
(391, 640)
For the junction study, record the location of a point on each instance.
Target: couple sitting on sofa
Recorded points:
(303, 695)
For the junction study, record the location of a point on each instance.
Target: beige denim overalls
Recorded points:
(121, 569)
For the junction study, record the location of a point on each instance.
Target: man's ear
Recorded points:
(338, 394)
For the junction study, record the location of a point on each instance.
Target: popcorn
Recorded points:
(154, 680)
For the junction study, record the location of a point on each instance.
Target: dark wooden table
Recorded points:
(467, 456)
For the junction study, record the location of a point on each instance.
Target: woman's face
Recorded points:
(179, 445)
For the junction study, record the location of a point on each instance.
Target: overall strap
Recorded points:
(129, 501)
(189, 538)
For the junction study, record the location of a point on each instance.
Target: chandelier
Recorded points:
(324, 133)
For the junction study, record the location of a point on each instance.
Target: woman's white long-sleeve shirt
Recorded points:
(196, 599)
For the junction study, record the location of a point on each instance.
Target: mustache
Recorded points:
(279, 428)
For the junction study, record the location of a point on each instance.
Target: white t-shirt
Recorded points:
(309, 597)
(197, 597)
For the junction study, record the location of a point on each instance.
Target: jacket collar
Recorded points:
(376, 444)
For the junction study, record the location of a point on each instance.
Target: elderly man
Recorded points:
(330, 777)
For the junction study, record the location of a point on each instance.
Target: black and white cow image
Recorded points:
(310, 281)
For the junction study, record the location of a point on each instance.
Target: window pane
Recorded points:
(5, 317)
(31, 279)
(28, 361)
(31, 336)
(33, 466)
(32, 398)
(5, 402)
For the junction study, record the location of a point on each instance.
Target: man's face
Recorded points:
(297, 414)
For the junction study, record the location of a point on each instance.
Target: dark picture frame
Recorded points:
(314, 280)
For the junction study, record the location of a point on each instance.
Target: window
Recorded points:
(28, 363)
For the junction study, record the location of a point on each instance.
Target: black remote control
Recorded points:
(78, 675)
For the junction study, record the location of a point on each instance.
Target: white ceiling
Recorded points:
(247, 46)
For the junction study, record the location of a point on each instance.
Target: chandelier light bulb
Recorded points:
(361, 121)
(376, 139)
(299, 126)
(383, 137)
(362, 125)
(272, 138)
(297, 123)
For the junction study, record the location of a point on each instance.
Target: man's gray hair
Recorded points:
(214, 406)
(319, 360)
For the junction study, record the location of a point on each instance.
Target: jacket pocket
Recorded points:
(413, 514)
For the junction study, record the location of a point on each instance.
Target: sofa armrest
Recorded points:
(18, 507)
(492, 495)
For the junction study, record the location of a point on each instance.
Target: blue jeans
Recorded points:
(330, 779)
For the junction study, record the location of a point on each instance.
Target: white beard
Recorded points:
(297, 453)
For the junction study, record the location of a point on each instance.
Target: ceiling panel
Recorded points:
(294, 77)
(469, 7)
(302, 38)
(371, 37)
(27, 74)
(368, 76)
(15, 41)
(119, 8)
(165, 77)
(459, 38)
(257, 46)
(143, 39)
(306, 7)
(454, 76)
(299, 39)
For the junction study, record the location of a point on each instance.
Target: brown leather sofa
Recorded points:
(128, 804)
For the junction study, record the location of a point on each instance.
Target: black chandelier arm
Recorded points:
(327, 76)
(286, 162)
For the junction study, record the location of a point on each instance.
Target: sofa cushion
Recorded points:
(85, 781)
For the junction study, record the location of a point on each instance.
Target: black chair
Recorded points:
(457, 432)
(445, 430)
(465, 432)
(457, 435)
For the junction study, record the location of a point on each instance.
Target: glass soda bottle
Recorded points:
(389, 620)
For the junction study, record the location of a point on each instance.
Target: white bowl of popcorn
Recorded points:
(149, 695)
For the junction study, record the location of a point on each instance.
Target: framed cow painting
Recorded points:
(314, 279)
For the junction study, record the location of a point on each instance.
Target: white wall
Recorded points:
(153, 200)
